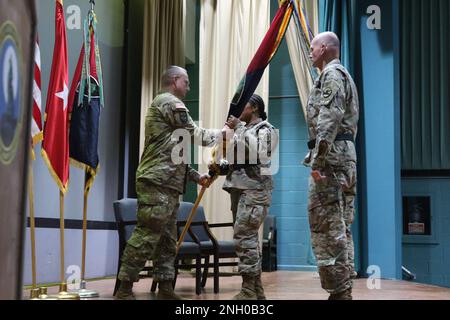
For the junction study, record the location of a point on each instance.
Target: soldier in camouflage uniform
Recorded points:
(250, 186)
(159, 183)
(332, 116)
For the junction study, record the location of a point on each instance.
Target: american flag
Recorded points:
(36, 125)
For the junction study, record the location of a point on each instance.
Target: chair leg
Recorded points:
(154, 285)
(269, 263)
(269, 250)
(273, 259)
(198, 274)
(176, 273)
(205, 271)
(216, 273)
(275, 263)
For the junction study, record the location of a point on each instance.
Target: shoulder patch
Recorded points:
(330, 88)
(327, 93)
(181, 112)
(180, 107)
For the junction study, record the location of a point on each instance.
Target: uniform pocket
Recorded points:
(149, 195)
(138, 238)
(257, 197)
(318, 220)
(256, 216)
(153, 218)
(346, 176)
(325, 192)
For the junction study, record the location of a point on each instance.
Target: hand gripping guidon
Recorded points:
(216, 169)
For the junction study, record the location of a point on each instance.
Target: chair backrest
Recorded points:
(270, 225)
(183, 214)
(125, 212)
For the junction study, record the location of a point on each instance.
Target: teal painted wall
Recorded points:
(428, 257)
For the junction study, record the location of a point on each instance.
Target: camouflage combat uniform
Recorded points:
(251, 190)
(332, 116)
(159, 183)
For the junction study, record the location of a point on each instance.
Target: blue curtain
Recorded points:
(425, 84)
(339, 16)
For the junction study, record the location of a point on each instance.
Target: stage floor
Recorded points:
(280, 285)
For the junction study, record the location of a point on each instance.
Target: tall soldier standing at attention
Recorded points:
(159, 183)
(332, 118)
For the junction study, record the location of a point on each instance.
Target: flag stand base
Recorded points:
(64, 295)
(34, 294)
(44, 296)
(85, 293)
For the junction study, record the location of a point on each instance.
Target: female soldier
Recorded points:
(250, 185)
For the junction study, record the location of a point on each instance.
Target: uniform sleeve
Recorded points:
(332, 110)
(177, 115)
(193, 174)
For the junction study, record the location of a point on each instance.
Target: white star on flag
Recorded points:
(64, 95)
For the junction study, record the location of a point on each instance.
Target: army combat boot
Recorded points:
(344, 295)
(259, 288)
(125, 291)
(248, 291)
(166, 292)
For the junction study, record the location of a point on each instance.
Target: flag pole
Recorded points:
(63, 293)
(190, 218)
(34, 294)
(61, 237)
(83, 257)
(83, 292)
(213, 176)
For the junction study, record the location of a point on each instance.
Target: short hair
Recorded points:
(331, 39)
(170, 73)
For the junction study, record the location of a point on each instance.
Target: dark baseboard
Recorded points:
(53, 223)
(425, 173)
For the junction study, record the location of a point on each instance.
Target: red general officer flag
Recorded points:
(55, 147)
